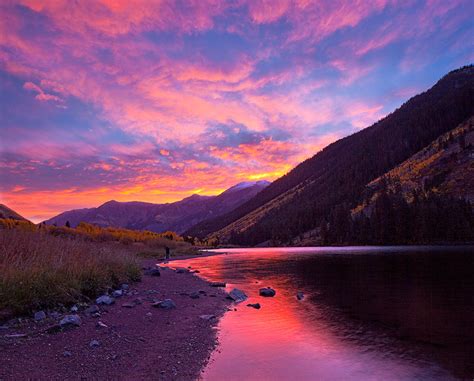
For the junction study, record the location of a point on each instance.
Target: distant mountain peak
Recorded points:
(248, 184)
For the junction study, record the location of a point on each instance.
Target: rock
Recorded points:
(67, 354)
(300, 295)
(74, 308)
(207, 317)
(92, 310)
(94, 344)
(153, 272)
(105, 299)
(202, 292)
(128, 305)
(237, 295)
(166, 304)
(181, 270)
(196, 271)
(70, 321)
(125, 287)
(148, 314)
(117, 293)
(101, 325)
(194, 295)
(254, 305)
(267, 292)
(217, 284)
(40, 315)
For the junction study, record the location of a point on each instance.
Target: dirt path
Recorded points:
(138, 343)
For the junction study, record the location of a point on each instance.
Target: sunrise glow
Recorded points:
(155, 100)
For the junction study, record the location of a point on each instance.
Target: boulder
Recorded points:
(267, 292)
(105, 299)
(217, 284)
(40, 315)
(125, 286)
(166, 304)
(70, 321)
(300, 295)
(254, 305)
(237, 295)
(117, 293)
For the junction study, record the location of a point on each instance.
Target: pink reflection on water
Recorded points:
(286, 339)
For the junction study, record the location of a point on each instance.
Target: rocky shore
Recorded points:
(162, 328)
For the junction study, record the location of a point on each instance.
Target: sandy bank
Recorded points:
(138, 343)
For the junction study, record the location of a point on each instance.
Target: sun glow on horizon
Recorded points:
(151, 101)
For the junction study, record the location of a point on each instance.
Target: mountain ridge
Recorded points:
(338, 174)
(175, 216)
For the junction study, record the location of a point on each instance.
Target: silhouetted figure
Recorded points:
(167, 253)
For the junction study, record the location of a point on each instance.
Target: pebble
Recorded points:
(40, 315)
(267, 292)
(299, 295)
(94, 344)
(207, 317)
(70, 320)
(153, 272)
(254, 305)
(237, 295)
(166, 304)
(92, 309)
(217, 284)
(105, 299)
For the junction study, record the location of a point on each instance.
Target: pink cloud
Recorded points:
(41, 95)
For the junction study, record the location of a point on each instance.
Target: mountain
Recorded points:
(176, 216)
(6, 212)
(333, 181)
(445, 167)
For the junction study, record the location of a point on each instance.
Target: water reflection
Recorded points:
(368, 313)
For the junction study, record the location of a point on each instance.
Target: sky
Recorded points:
(158, 100)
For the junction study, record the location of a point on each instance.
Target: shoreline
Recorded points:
(135, 342)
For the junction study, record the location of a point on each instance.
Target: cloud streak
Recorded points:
(154, 99)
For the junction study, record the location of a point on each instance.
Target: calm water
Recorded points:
(368, 314)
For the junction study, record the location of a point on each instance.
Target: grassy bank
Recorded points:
(38, 270)
(47, 266)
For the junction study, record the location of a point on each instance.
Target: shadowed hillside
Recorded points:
(334, 180)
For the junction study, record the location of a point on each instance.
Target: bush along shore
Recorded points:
(75, 307)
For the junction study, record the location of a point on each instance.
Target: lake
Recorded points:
(369, 313)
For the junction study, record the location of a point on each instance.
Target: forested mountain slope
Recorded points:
(334, 180)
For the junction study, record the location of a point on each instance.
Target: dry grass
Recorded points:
(39, 270)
